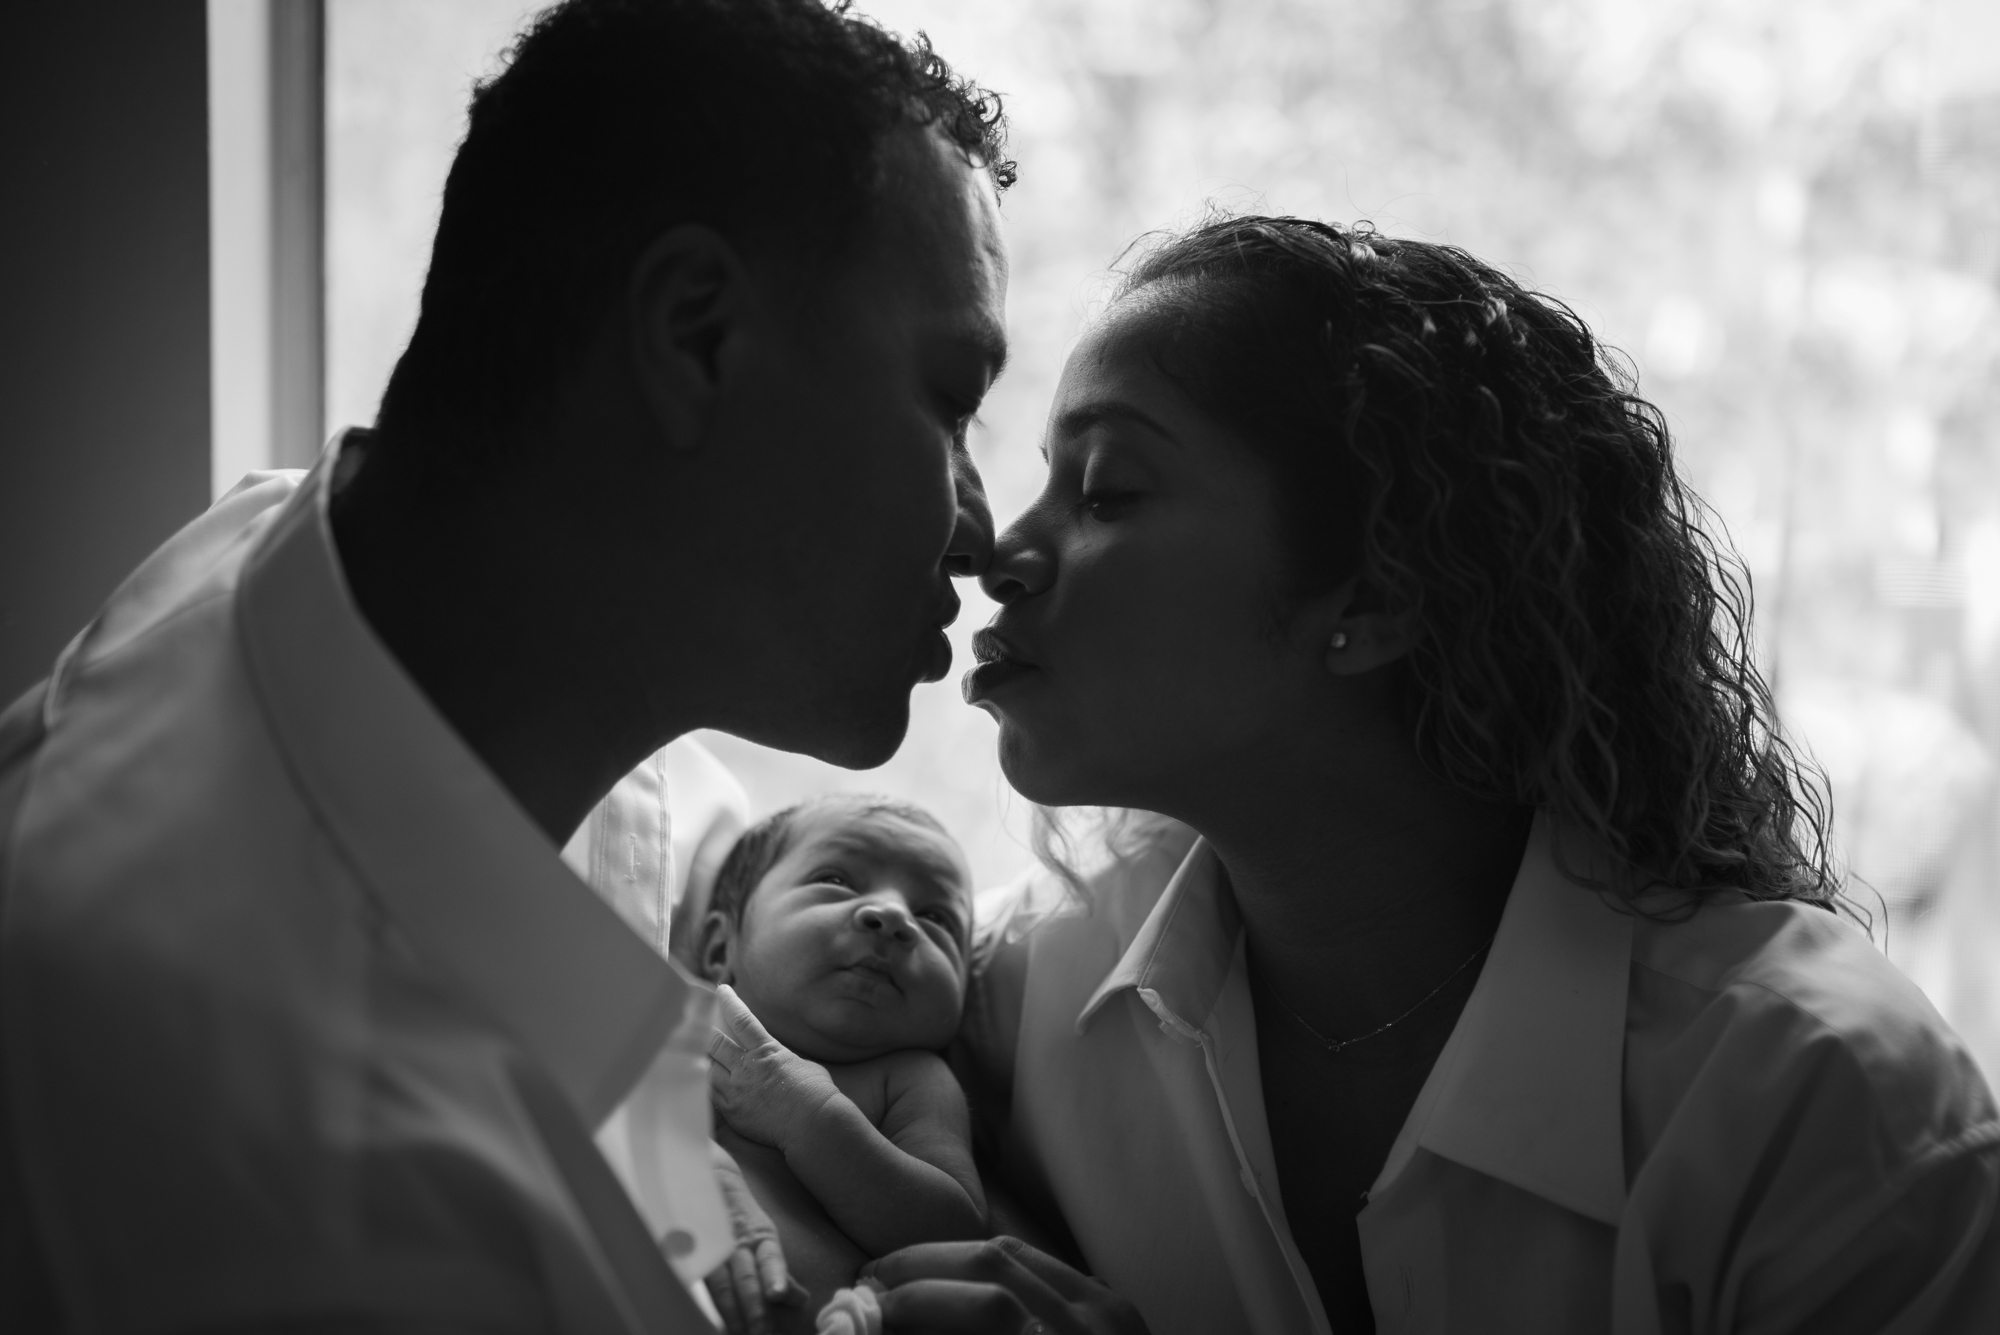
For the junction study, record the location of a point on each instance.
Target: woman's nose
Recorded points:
(1021, 567)
(889, 921)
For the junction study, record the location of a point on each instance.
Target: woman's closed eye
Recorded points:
(1111, 482)
(1108, 502)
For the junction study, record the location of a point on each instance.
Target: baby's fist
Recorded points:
(763, 1089)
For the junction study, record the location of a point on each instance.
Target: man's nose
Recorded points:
(888, 921)
(971, 549)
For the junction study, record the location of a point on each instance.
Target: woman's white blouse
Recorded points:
(1746, 1122)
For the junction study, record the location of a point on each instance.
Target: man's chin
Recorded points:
(850, 734)
(864, 739)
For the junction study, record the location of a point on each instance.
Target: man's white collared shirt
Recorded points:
(1746, 1122)
(303, 1017)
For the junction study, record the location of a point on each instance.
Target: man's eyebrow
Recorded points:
(1084, 416)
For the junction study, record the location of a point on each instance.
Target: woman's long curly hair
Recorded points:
(1471, 452)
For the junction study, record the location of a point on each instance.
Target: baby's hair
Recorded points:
(760, 847)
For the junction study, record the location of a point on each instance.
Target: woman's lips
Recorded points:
(1000, 665)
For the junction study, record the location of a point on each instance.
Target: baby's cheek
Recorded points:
(943, 1004)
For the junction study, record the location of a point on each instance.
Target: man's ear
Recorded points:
(1357, 631)
(687, 296)
(715, 954)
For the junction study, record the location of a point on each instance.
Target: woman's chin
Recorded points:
(1035, 771)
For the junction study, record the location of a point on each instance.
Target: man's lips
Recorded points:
(939, 665)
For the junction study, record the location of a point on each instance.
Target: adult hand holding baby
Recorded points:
(742, 1059)
(1001, 1286)
(763, 1089)
(755, 1277)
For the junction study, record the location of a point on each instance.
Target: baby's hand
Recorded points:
(763, 1089)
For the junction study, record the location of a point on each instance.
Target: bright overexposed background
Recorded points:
(1786, 214)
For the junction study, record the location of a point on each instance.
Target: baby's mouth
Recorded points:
(876, 969)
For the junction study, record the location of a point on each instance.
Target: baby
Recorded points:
(840, 927)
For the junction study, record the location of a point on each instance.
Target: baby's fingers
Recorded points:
(749, 1295)
(722, 1292)
(778, 1285)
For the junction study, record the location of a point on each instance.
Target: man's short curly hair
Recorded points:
(1468, 449)
(763, 845)
(613, 120)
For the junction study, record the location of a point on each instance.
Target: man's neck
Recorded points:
(471, 601)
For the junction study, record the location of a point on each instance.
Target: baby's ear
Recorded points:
(715, 950)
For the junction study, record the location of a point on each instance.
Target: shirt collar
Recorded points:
(458, 865)
(1181, 955)
(1529, 1087)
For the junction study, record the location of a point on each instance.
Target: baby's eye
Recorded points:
(943, 918)
(831, 876)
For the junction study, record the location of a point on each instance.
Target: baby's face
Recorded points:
(855, 943)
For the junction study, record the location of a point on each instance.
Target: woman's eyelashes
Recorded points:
(1107, 503)
(1107, 493)
(1109, 484)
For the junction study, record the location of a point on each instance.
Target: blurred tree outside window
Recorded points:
(1786, 216)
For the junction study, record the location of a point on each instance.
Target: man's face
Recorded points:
(845, 428)
(854, 943)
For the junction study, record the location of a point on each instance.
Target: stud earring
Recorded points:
(1340, 639)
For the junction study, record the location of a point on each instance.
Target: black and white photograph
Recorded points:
(1000, 667)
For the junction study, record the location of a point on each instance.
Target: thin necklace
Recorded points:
(1335, 1045)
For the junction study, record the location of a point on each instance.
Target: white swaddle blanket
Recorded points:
(855, 1311)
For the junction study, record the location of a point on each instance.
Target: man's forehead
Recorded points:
(937, 228)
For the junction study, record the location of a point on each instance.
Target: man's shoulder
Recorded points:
(153, 787)
(141, 713)
(154, 831)
(196, 565)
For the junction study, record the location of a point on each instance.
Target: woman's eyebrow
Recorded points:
(1075, 421)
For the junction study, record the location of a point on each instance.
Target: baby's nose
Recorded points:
(886, 920)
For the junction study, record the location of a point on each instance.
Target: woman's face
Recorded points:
(1141, 652)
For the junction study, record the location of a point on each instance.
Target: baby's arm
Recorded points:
(911, 1181)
